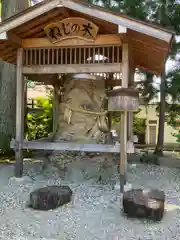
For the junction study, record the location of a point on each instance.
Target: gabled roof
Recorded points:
(147, 40)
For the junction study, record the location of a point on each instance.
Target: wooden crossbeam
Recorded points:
(58, 146)
(111, 39)
(72, 68)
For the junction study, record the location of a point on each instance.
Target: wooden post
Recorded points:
(55, 107)
(123, 126)
(130, 114)
(109, 115)
(130, 124)
(19, 114)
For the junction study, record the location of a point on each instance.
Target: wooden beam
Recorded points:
(14, 39)
(123, 123)
(59, 146)
(72, 68)
(145, 44)
(119, 20)
(113, 39)
(19, 114)
(29, 15)
(49, 80)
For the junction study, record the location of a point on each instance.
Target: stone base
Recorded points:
(50, 197)
(85, 166)
(144, 203)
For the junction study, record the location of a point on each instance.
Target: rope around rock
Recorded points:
(84, 111)
(101, 116)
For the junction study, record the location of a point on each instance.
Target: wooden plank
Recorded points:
(73, 68)
(144, 44)
(119, 20)
(22, 18)
(19, 114)
(14, 39)
(145, 39)
(36, 23)
(123, 123)
(58, 146)
(112, 39)
(36, 30)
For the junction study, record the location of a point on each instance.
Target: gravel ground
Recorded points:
(95, 212)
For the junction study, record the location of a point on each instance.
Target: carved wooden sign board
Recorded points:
(71, 28)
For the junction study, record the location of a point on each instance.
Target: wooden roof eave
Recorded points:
(151, 33)
(91, 10)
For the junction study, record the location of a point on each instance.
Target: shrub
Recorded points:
(39, 120)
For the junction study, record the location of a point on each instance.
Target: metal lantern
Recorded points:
(123, 99)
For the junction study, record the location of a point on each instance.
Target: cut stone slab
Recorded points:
(50, 197)
(148, 203)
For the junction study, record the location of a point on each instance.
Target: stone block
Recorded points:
(144, 203)
(50, 197)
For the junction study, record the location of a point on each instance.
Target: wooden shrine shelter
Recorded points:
(61, 36)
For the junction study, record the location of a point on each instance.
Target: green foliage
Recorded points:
(173, 84)
(40, 122)
(173, 119)
(139, 125)
(177, 135)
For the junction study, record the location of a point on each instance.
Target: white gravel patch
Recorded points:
(95, 212)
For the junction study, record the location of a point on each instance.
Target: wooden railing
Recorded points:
(72, 55)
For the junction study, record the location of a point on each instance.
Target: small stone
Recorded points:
(50, 197)
(144, 203)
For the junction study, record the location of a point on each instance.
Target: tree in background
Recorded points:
(164, 12)
(167, 14)
(8, 82)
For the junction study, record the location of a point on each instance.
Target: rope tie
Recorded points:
(100, 116)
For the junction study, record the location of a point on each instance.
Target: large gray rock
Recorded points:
(50, 197)
(144, 203)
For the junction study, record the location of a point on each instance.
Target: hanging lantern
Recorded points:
(123, 99)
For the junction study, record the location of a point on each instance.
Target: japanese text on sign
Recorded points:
(72, 28)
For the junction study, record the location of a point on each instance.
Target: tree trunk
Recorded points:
(82, 119)
(8, 83)
(160, 141)
(77, 123)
